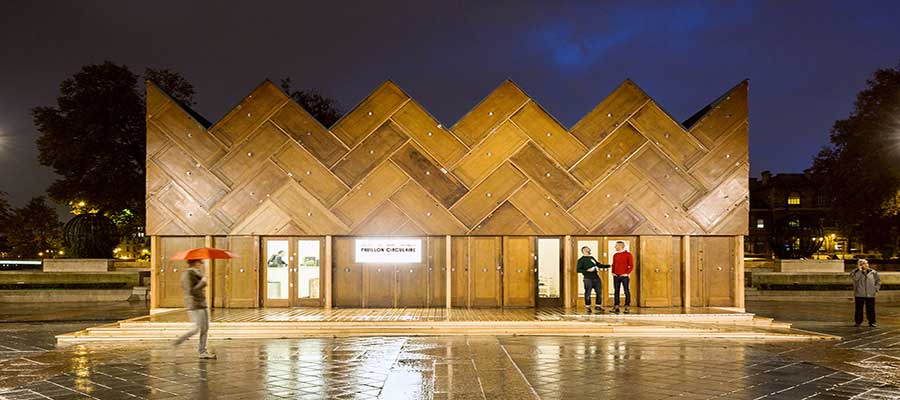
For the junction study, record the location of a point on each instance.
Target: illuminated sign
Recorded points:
(388, 251)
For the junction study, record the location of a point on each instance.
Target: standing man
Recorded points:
(588, 266)
(194, 284)
(622, 266)
(866, 283)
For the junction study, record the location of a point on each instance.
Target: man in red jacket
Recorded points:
(622, 266)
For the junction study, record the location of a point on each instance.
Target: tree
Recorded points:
(860, 166)
(95, 138)
(5, 215)
(324, 109)
(35, 229)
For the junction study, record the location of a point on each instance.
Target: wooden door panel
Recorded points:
(697, 289)
(368, 195)
(720, 202)
(666, 216)
(654, 123)
(303, 128)
(666, 175)
(246, 156)
(606, 157)
(437, 271)
(253, 110)
(484, 269)
(386, 220)
(488, 155)
(610, 114)
(493, 110)
(518, 271)
(412, 285)
(459, 271)
(347, 285)
(548, 174)
(485, 197)
(506, 218)
(429, 134)
(656, 276)
(369, 114)
(171, 294)
(242, 273)
(306, 211)
(718, 270)
(190, 212)
(301, 166)
(369, 154)
(430, 175)
(545, 131)
(379, 285)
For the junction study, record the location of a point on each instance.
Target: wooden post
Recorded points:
(448, 277)
(686, 273)
(208, 271)
(154, 272)
(328, 255)
(739, 272)
(567, 271)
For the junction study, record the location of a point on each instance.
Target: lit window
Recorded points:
(794, 223)
(760, 223)
(794, 199)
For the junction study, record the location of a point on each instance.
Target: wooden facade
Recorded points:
(506, 173)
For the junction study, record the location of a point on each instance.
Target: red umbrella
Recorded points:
(203, 253)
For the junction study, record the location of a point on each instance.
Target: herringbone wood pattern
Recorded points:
(389, 168)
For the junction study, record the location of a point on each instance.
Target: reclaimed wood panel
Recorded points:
(490, 154)
(482, 199)
(549, 134)
(305, 169)
(548, 174)
(667, 134)
(544, 212)
(429, 134)
(314, 137)
(656, 271)
(615, 172)
(253, 110)
(248, 155)
(601, 200)
(519, 266)
(489, 113)
(609, 114)
(611, 153)
(369, 154)
(369, 194)
(370, 114)
(425, 211)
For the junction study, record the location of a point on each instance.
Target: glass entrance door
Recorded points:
(549, 260)
(292, 272)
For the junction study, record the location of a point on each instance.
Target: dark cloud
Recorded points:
(805, 59)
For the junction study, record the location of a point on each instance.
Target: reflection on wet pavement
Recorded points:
(863, 366)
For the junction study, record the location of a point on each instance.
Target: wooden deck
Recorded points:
(255, 315)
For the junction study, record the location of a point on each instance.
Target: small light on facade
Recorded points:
(428, 214)
(308, 133)
(546, 213)
(488, 194)
(429, 133)
(249, 154)
(608, 195)
(248, 115)
(309, 214)
(369, 113)
(308, 172)
(608, 115)
(427, 172)
(490, 113)
(547, 174)
(666, 135)
(549, 134)
(372, 151)
(369, 194)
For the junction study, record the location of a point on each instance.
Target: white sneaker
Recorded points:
(207, 356)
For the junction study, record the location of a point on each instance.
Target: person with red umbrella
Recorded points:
(194, 282)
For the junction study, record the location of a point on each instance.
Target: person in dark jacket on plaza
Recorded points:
(866, 284)
(588, 266)
(193, 282)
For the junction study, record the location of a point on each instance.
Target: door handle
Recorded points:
(347, 269)
(719, 268)
(656, 270)
(242, 270)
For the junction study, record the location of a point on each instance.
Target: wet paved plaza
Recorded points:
(865, 365)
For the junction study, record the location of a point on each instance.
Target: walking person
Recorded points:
(866, 284)
(588, 266)
(622, 266)
(193, 282)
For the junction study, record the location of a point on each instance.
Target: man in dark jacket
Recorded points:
(193, 282)
(866, 284)
(588, 267)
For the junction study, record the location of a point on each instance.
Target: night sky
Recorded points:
(805, 60)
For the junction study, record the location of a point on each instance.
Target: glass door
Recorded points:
(277, 262)
(549, 260)
(308, 272)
